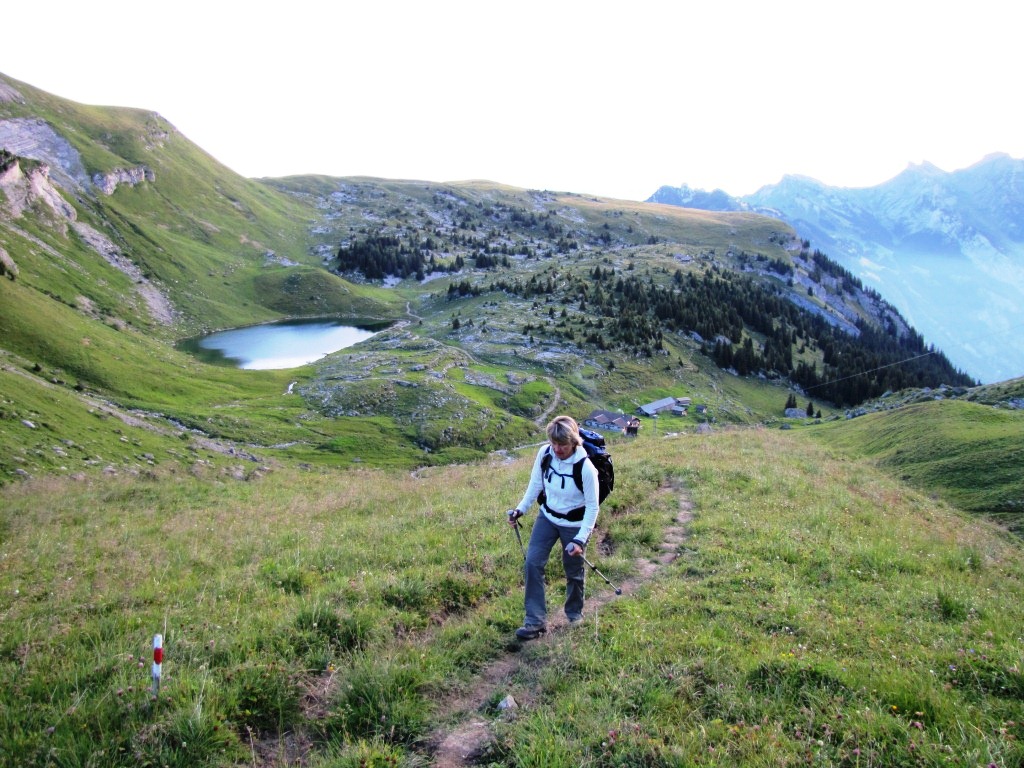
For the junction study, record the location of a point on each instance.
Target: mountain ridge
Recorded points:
(927, 240)
(507, 299)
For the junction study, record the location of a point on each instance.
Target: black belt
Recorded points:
(573, 515)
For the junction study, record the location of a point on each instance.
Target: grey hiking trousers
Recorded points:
(544, 536)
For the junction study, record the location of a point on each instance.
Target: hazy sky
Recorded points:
(607, 98)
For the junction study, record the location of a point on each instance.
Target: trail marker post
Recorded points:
(158, 662)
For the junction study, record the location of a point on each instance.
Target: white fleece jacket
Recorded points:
(562, 493)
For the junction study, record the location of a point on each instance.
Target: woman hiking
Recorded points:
(567, 516)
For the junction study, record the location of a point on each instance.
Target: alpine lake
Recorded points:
(279, 345)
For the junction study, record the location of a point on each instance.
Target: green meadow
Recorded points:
(969, 453)
(820, 611)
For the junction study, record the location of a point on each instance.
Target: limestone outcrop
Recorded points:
(22, 189)
(31, 188)
(107, 183)
(7, 265)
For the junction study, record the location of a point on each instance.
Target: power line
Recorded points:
(910, 359)
(871, 370)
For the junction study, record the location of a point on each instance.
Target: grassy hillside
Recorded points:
(819, 611)
(215, 243)
(106, 283)
(970, 454)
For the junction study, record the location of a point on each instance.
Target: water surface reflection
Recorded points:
(284, 344)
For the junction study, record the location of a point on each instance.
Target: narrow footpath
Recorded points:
(468, 730)
(459, 745)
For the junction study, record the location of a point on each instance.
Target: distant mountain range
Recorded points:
(946, 248)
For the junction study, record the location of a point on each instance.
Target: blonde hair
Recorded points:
(564, 430)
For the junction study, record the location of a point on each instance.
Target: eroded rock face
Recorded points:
(35, 139)
(22, 189)
(107, 183)
(7, 266)
(30, 188)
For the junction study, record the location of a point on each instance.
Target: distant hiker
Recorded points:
(567, 516)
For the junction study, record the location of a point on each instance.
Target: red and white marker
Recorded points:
(158, 661)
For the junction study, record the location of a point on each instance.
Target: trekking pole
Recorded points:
(512, 516)
(618, 590)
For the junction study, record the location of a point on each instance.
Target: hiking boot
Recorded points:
(530, 632)
(575, 621)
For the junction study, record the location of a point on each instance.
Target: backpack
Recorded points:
(593, 444)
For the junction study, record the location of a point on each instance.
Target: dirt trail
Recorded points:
(555, 400)
(468, 728)
(459, 745)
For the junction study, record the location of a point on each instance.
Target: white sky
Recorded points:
(606, 98)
